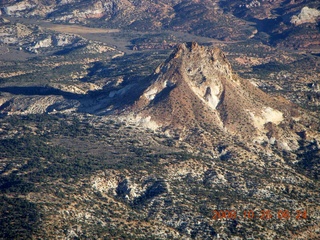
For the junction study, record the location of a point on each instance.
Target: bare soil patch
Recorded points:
(79, 29)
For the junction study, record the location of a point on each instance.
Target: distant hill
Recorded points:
(290, 24)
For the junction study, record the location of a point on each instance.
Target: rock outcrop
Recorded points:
(197, 89)
(307, 15)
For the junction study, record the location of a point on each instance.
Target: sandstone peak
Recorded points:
(195, 88)
(193, 48)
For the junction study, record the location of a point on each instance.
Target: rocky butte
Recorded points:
(195, 88)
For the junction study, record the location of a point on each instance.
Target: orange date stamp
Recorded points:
(265, 214)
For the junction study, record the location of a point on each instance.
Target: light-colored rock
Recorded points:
(47, 42)
(266, 115)
(61, 40)
(20, 6)
(307, 15)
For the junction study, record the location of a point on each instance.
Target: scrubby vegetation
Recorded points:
(55, 156)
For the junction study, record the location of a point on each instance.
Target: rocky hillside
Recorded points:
(196, 89)
(290, 24)
(81, 176)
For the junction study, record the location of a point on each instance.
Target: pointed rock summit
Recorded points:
(196, 88)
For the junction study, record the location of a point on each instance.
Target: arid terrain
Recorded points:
(163, 119)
